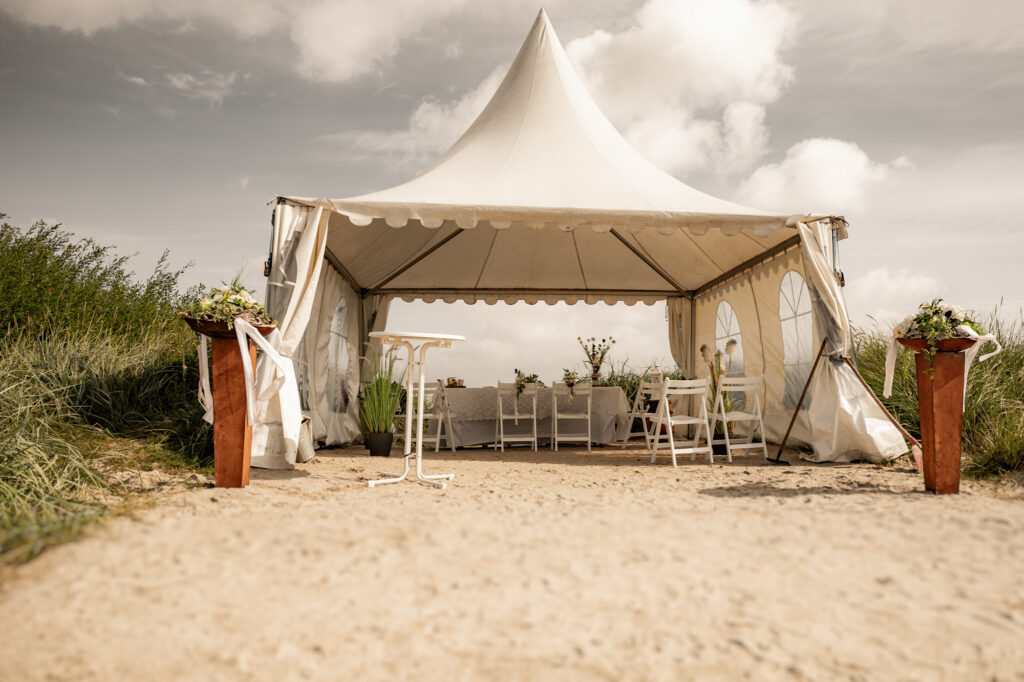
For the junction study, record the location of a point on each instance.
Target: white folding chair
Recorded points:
(646, 393)
(748, 386)
(440, 417)
(670, 391)
(579, 392)
(507, 401)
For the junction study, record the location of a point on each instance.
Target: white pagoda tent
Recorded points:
(542, 200)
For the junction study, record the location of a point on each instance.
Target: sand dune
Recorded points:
(536, 566)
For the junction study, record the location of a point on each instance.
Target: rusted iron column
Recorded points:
(940, 404)
(232, 432)
(940, 395)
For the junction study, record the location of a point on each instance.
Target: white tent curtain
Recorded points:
(847, 423)
(375, 319)
(332, 366)
(679, 333)
(300, 237)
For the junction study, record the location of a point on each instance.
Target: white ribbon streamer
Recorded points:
(205, 394)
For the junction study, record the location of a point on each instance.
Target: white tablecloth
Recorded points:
(474, 414)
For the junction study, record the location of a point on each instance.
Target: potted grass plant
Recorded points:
(379, 403)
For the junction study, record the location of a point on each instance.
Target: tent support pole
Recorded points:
(693, 338)
(420, 257)
(345, 274)
(800, 403)
(749, 264)
(651, 264)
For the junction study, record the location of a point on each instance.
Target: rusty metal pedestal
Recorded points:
(232, 432)
(940, 396)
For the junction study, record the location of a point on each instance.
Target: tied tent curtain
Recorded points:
(846, 423)
(279, 437)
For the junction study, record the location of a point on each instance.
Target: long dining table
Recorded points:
(474, 414)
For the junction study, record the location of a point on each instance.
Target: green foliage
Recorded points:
(993, 439)
(629, 379)
(381, 396)
(570, 377)
(87, 354)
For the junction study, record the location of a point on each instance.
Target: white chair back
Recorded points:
(511, 405)
(748, 411)
(561, 389)
(684, 387)
(668, 421)
(745, 385)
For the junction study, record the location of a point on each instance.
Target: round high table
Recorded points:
(416, 343)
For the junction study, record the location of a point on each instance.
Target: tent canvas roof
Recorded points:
(498, 216)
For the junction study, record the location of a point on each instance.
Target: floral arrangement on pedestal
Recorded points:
(225, 305)
(936, 322)
(596, 353)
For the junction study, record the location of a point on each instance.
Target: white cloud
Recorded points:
(336, 41)
(996, 26)
(207, 86)
(433, 127)
(340, 41)
(247, 17)
(698, 75)
(136, 80)
(883, 295)
(818, 175)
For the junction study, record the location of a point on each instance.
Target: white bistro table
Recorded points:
(413, 342)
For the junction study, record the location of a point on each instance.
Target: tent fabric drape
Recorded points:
(846, 422)
(332, 376)
(375, 319)
(679, 333)
(301, 232)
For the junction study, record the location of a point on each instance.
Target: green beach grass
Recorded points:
(90, 358)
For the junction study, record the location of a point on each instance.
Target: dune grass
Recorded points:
(993, 440)
(88, 354)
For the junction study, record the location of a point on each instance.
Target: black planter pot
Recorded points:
(379, 444)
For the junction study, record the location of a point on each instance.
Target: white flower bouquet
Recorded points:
(225, 305)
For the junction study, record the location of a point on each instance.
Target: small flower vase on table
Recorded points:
(232, 432)
(940, 395)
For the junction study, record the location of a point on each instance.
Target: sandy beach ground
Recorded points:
(543, 565)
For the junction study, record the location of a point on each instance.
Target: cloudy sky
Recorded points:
(153, 125)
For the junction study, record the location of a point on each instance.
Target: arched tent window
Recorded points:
(728, 340)
(338, 360)
(797, 336)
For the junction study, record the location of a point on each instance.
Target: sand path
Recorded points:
(535, 566)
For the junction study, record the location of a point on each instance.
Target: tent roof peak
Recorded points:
(542, 152)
